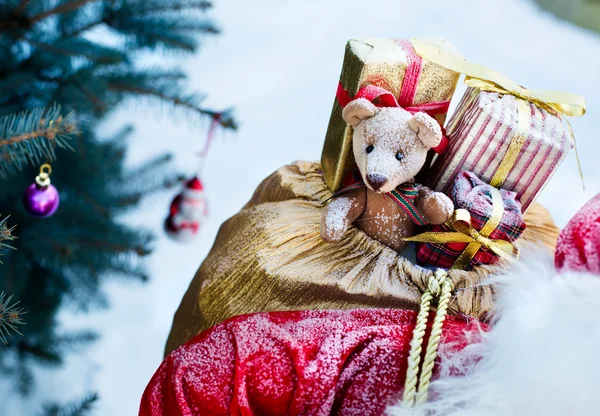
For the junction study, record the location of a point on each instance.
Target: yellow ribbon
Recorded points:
(489, 80)
(515, 146)
(465, 233)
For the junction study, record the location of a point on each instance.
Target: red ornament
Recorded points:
(187, 211)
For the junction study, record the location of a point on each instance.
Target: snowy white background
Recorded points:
(278, 63)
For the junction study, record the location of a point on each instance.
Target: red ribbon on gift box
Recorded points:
(384, 98)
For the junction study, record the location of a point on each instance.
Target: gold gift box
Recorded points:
(380, 62)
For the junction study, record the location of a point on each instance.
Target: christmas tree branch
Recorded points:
(10, 317)
(91, 55)
(100, 209)
(18, 19)
(47, 57)
(176, 6)
(48, 131)
(98, 104)
(6, 234)
(225, 119)
(135, 196)
(83, 28)
(20, 9)
(108, 246)
(62, 8)
(10, 314)
(75, 408)
(32, 136)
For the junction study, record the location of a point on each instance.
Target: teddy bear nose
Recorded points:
(376, 180)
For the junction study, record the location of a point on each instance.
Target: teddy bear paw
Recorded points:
(437, 208)
(335, 220)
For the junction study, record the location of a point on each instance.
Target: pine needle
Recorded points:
(6, 234)
(31, 136)
(75, 408)
(10, 317)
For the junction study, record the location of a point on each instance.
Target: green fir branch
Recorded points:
(47, 57)
(10, 317)
(60, 8)
(142, 191)
(74, 341)
(79, 407)
(20, 9)
(147, 171)
(19, 19)
(49, 349)
(82, 29)
(6, 234)
(165, 6)
(30, 136)
(176, 31)
(79, 47)
(143, 84)
(24, 378)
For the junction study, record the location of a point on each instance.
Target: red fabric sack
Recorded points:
(296, 363)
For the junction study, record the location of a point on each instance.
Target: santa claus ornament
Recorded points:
(188, 210)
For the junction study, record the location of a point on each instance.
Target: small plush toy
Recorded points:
(390, 148)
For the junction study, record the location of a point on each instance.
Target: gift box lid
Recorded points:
(384, 63)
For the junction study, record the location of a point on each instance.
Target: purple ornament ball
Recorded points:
(41, 201)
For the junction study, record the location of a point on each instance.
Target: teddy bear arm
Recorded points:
(435, 207)
(340, 213)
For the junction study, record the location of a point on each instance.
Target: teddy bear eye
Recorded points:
(369, 148)
(399, 156)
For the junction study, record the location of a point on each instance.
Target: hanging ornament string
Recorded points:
(216, 119)
(189, 207)
(43, 179)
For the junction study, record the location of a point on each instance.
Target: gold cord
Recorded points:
(439, 285)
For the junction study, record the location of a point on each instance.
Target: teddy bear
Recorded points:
(390, 147)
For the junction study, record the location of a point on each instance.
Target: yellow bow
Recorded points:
(465, 233)
(489, 80)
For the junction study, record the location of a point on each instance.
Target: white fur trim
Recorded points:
(182, 235)
(193, 193)
(541, 356)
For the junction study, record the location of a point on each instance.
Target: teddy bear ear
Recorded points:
(427, 128)
(358, 110)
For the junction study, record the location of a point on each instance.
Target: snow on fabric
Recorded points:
(484, 121)
(540, 357)
(296, 363)
(390, 132)
(337, 220)
(287, 67)
(470, 193)
(578, 246)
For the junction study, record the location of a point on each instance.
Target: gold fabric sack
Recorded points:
(270, 257)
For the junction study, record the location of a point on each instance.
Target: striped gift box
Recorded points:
(480, 132)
